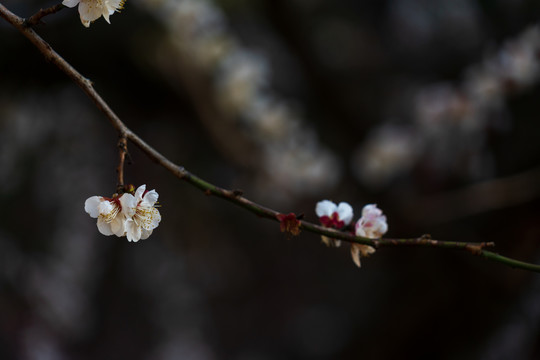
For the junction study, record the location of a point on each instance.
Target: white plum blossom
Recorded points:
(109, 213)
(142, 218)
(333, 216)
(133, 216)
(91, 10)
(371, 225)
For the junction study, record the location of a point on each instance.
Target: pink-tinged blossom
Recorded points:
(91, 10)
(371, 225)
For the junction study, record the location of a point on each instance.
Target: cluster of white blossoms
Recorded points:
(371, 225)
(91, 10)
(133, 216)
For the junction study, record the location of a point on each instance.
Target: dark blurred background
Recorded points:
(426, 107)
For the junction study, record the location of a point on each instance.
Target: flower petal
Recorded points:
(133, 231)
(91, 205)
(70, 3)
(366, 250)
(325, 208)
(104, 227)
(150, 197)
(371, 210)
(118, 226)
(145, 234)
(105, 207)
(129, 205)
(330, 242)
(345, 212)
(140, 192)
(382, 226)
(359, 229)
(355, 254)
(360, 250)
(114, 5)
(106, 15)
(155, 219)
(89, 11)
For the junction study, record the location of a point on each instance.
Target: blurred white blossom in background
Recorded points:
(292, 158)
(451, 121)
(387, 151)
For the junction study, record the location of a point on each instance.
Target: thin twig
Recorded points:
(122, 152)
(36, 18)
(235, 196)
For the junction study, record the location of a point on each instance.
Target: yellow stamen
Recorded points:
(111, 215)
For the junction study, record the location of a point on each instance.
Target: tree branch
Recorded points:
(234, 196)
(36, 18)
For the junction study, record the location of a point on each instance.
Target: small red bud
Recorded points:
(289, 223)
